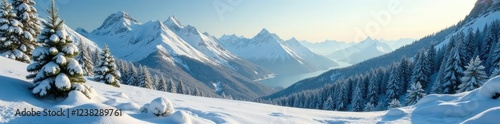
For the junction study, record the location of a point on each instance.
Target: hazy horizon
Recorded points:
(313, 21)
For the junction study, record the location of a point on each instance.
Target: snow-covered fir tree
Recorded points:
(394, 104)
(14, 43)
(357, 99)
(171, 86)
(145, 78)
(162, 84)
(405, 68)
(133, 75)
(496, 72)
(343, 98)
(421, 69)
(393, 87)
(474, 76)
(372, 96)
(369, 107)
(415, 93)
(180, 88)
(85, 60)
(495, 59)
(54, 71)
(453, 72)
(28, 16)
(106, 70)
(328, 104)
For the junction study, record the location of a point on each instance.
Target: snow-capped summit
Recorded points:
(116, 23)
(173, 22)
(361, 51)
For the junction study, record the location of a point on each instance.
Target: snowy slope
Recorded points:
(361, 51)
(395, 44)
(305, 53)
(471, 107)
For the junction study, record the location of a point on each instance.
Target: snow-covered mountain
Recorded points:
(268, 50)
(326, 47)
(179, 51)
(209, 46)
(473, 107)
(361, 51)
(306, 54)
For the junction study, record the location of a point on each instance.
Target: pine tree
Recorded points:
(373, 90)
(452, 73)
(436, 88)
(13, 41)
(106, 70)
(357, 99)
(343, 98)
(431, 55)
(54, 71)
(328, 104)
(421, 69)
(495, 58)
(27, 15)
(393, 87)
(162, 84)
(85, 60)
(180, 88)
(369, 107)
(474, 76)
(133, 75)
(496, 72)
(145, 78)
(171, 86)
(394, 104)
(405, 73)
(415, 93)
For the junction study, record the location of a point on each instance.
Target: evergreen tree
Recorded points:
(474, 76)
(343, 98)
(495, 57)
(144, 78)
(328, 104)
(180, 88)
(394, 104)
(133, 75)
(369, 107)
(373, 93)
(405, 73)
(13, 44)
(393, 87)
(432, 61)
(162, 84)
(421, 69)
(85, 60)
(106, 70)
(54, 71)
(27, 15)
(496, 72)
(415, 93)
(453, 73)
(171, 86)
(436, 88)
(155, 82)
(357, 99)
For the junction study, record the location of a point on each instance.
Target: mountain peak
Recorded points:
(264, 31)
(172, 21)
(116, 23)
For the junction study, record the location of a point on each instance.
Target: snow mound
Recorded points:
(489, 116)
(490, 88)
(395, 112)
(76, 98)
(161, 107)
(180, 117)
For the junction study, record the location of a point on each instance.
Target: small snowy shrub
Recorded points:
(161, 107)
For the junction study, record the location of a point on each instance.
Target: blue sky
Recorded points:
(312, 20)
